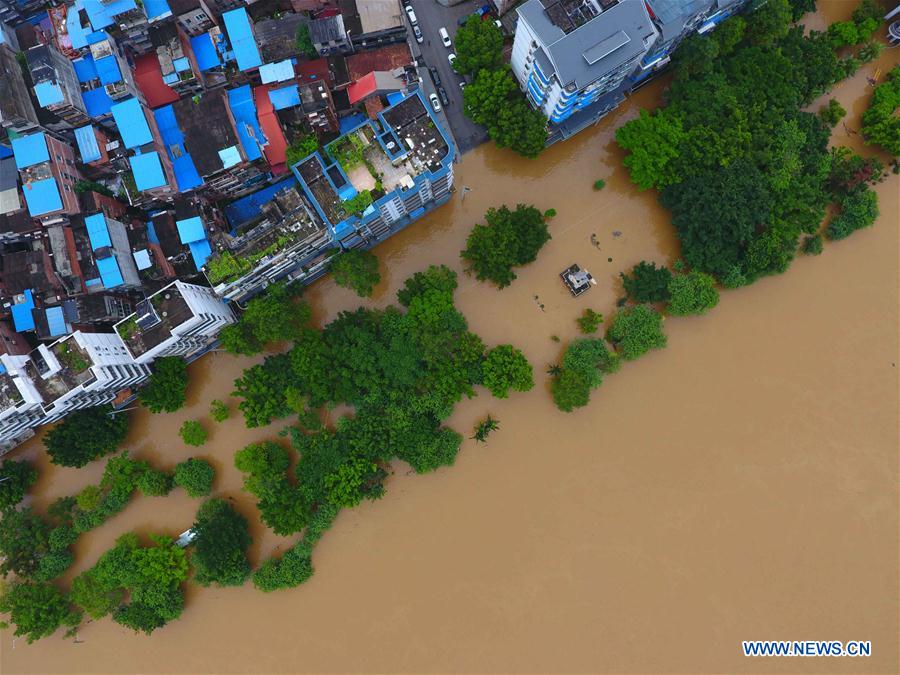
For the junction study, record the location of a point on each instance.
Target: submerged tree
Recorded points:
(636, 330)
(15, 479)
(85, 435)
(484, 428)
(356, 270)
(220, 546)
(166, 389)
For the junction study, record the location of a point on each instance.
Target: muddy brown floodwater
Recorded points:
(740, 484)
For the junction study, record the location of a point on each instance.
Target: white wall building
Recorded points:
(179, 320)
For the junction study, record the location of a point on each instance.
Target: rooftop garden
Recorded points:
(71, 356)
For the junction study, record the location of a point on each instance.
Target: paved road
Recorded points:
(431, 17)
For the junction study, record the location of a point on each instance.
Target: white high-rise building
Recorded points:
(179, 320)
(20, 402)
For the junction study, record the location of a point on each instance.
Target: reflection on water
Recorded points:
(740, 484)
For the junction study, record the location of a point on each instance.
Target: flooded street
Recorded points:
(740, 484)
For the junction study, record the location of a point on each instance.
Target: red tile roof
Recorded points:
(383, 58)
(313, 71)
(363, 87)
(149, 80)
(276, 150)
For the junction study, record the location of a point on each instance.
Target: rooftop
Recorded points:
(207, 130)
(153, 320)
(148, 172)
(72, 368)
(329, 29)
(240, 35)
(132, 124)
(182, 163)
(277, 37)
(389, 57)
(10, 396)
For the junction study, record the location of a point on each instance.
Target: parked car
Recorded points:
(435, 76)
(462, 85)
(445, 37)
(412, 15)
(407, 3)
(451, 57)
(444, 98)
(498, 24)
(435, 104)
(418, 33)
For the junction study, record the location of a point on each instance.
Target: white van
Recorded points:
(445, 37)
(412, 15)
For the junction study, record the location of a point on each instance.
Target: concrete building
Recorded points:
(179, 320)
(56, 85)
(48, 172)
(16, 109)
(149, 162)
(116, 268)
(572, 56)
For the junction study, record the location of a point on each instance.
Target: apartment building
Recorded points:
(48, 173)
(56, 86)
(16, 109)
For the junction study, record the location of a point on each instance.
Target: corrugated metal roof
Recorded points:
(87, 144)
(286, 97)
(110, 274)
(132, 124)
(85, 69)
(157, 8)
(42, 197)
(190, 229)
(48, 93)
(97, 230)
(243, 110)
(240, 34)
(148, 172)
(200, 252)
(56, 322)
(97, 102)
(30, 150)
(108, 70)
(282, 71)
(21, 313)
(142, 259)
(205, 52)
(186, 174)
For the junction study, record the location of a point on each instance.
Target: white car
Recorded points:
(435, 103)
(498, 24)
(451, 57)
(445, 37)
(412, 15)
(418, 33)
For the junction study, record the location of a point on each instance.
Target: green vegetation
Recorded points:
(274, 316)
(865, 21)
(832, 113)
(151, 576)
(154, 483)
(647, 283)
(356, 205)
(510, 238)
(85, 435)
(166, 389)
(813, 245)
(24, 540)
(92, 186)
(15, 479)
(479, 46)
(300, 148)
(265, 467)
(224, 266)
(859, 209)
(880, 122)
(634, 331)
(70, 357)
(692, 293)
(589, 321)
(218, 410)
(36, 609)
(584, 364)
(193, 433)
(484, 428)
(743, 171)
(304, 42)
(495, 101)
(220, 546)
(357, 270)
(195, 476)
(599, 184)
(505, 368)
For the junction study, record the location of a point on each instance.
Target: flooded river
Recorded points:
(740, 484)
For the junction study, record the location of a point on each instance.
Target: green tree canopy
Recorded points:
(193, 433)
(265, 467)
(692, 293)
(356, 270)
(505, 368)
(510, 238)
(36, 609)
(24, 540)
(15, 479)
(479, 45)
(220, 546)
(647, 283)
(166, 390)
(300, 148)
(636, 330)
(584, 364)
(859, 209)
(195, 476)
(652, 143)
(85, 435)
(880, 122)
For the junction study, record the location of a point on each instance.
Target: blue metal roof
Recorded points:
(110, 274)
(277, 72)
(108, 70)
(97, 230)
(30, 150)
(244, 111)
(205, 52)
(395, 97)
(351, 122)
(56, 322)
(142, 259)
(240, 34)
(132, 124)
(21, 313)
(5, 152)
(200, 252)
(48, 93)
(183, 165)
(190, 229)
(247, 208)
(286, 97)
(151, 233)
(87, 144)
(181, 64)
(157, 8)
(101, 13)
(97, 102)
(79, 35)
(85, 69)
(42, 197)
(148, 172)
(230, 156)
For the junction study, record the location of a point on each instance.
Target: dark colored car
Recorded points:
(435, 76)
(443, 94)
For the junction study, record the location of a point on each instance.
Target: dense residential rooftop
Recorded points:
(153, 320)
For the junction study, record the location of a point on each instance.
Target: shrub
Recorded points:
(599, 184)
(589, 321)
(859, 209)
(832, 113)
(584, 364)
(195, 476)
(692, 293)
(219, 410)
(193, 433)
(636, 330)
(220, 546)
(154, 483)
